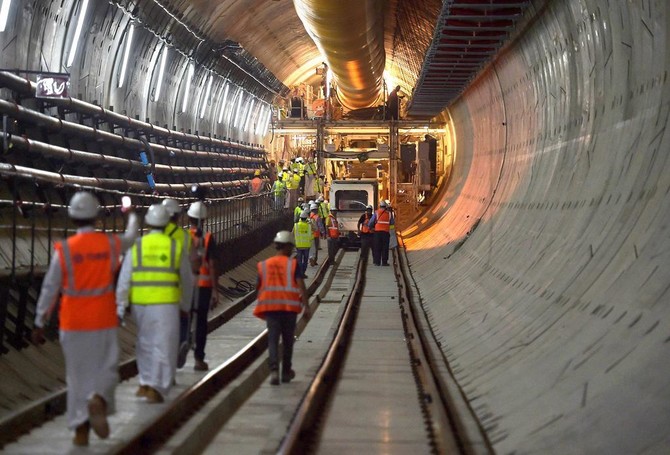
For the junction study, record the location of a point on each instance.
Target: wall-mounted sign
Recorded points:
(52, 86)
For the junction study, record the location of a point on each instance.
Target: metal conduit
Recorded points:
(57, 125)
(97, 158)
(350, 36)
(25, 86)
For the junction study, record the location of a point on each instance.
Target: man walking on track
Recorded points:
(156, 279)
(381, 222)
(281, 296)
(82, 270)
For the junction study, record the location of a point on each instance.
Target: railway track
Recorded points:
(201, 414)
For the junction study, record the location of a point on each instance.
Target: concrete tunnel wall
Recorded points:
(554, 312)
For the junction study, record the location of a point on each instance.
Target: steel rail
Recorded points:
(157, 432)
(302, 430)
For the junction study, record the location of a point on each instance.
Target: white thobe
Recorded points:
(91, 356)
(157, 328)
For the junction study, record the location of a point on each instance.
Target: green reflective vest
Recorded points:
(302, 231)
(181, 235)
(155, 276)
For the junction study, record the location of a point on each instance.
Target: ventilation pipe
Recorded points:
(350, 36)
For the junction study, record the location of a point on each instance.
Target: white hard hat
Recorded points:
(305, 206)
(197, 210)
(171, 206)
(370, 207)
(284, 237)
(83, 206)
(304, 214)
(388, 203)
(300, 199)
(319, 199)
(299, 159)
(310, 202)
(313, 207)
(382, 203)
(157, 216)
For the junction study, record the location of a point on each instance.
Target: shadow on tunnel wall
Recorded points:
(555, 313)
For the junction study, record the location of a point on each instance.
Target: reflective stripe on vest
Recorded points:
(311, 168)
(89, 261)
(204, 276)
(155, 276)
(333, 229)
(180, 235)
(302, 231)
(279, 290)
(383, 221)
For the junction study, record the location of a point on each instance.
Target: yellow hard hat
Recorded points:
(257, 172)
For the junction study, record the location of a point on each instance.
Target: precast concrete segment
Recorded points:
(375, 408)
(546, 273)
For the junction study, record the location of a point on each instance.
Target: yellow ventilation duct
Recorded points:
(350, 35)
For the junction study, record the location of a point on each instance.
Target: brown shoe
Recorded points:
(81, 435)
(142, 391)
(153, 395)
(200, 365)
(97, 415)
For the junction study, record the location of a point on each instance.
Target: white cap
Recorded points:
(284, 237)
(304, 214)
(83, 206)
(313, 207)
(157, 216)
(171, 206)
(382, 203)
(197, 210)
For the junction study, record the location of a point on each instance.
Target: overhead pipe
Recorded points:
(350, 36)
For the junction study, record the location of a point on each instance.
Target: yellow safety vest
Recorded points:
(302, 231)
(155, 276)
(180, 235)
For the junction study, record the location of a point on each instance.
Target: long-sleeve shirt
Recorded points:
(53, 280)
(373, 220)
(186, 281)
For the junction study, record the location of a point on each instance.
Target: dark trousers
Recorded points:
(333, 245)
(302, 254)
(280, 323)
(366, 244)
(201, 312)
(380, 248)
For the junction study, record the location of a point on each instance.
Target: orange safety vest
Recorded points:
(316, 234)
(365, 229)
(383, 221)
(256, 184)
(89, 262)
(204, 277)
(279, 289)
(333, 229)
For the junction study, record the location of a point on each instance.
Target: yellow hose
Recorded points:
(350, 35)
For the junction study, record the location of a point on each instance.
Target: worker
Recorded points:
(364, 231)
(255, 188)
(333, 234)
(324, 210)
(205, 297)
(302, 231)
(183, 239)
(281, 297)
(156, 279)
(300, 169)
(298, 210)
(279, 191)
(393, 104)
(292, 185)
(310, 177)
(318, 232)
(319, 185)
(381, 222)
(82, 270)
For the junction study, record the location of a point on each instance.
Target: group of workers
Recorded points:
(313, 221)
(375, 231)
(294, 178)
(165, 276)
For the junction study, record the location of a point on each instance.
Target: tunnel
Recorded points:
(542, 259)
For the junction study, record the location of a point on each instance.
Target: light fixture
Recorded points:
(232, 107)
(261, 116)
(223, 103)
(4, 14)
(266, 126)
(77, 32)
(250, 115)
(126, 53)
(189, 78)
(159, 83)
(237, 111)
(208, 92)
